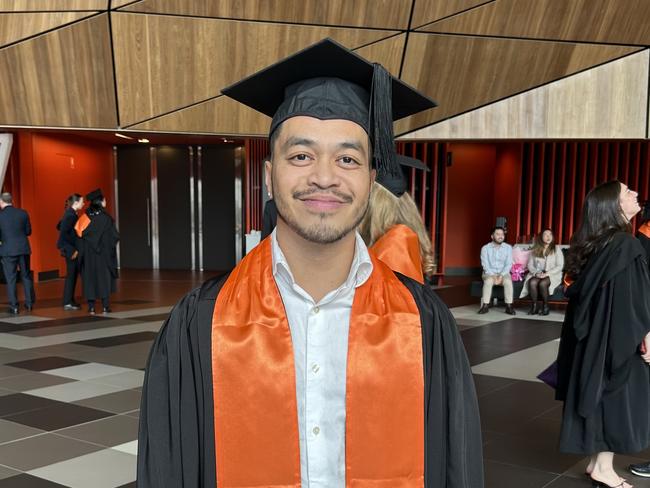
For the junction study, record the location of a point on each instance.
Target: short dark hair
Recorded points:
(6, 197)
(496, 228)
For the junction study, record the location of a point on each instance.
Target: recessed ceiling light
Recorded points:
(143, 140)
(122, 136)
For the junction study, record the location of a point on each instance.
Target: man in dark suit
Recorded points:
(15, 251)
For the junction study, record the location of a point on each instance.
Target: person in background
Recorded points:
(644, 231)
(545, 265)
(68, 246)
(270, 218)
(15, 252)
(393, 228)
(603, 375)
(98, 239)
(496, 260)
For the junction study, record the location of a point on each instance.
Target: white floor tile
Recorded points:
(141, 312)
(130, 379)
(129, 448)
(103, 469)
(87, 371)
(521, 365)
(25, 319)
(77, 390)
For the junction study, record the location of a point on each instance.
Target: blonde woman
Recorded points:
(545, 266)
(394, 230)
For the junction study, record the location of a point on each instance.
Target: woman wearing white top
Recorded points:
(544, 272)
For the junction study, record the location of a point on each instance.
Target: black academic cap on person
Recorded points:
(396, 183)
(95, 195)
(328, 81)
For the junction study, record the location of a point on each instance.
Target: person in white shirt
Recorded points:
(312, 364)
(496, 260)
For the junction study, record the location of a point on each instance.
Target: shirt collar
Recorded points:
(360, 270)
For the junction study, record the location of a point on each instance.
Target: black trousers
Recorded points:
(71, 275)
(10, 266)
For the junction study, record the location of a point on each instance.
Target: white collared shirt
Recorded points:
(319, 332)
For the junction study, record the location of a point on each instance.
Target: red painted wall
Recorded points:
(507, 183)
(470, 202)
(50, 168)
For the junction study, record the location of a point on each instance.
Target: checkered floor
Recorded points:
(69, 397)
(70, 387)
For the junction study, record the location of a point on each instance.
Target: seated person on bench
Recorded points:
(496, 259)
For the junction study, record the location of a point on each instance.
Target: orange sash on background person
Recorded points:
(254, 390)
(645, 229)
(399, 248)
(82, 223)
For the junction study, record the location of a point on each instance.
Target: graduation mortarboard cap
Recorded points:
(645, 214)
(396, 183)
(95, 195)
(328, 81)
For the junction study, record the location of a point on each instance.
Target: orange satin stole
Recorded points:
(399, 248)
(254, 388)
(645, 229)
(82, 223)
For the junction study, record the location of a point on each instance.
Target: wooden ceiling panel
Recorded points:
(51, 5)
(122, 3)
(221, 115)
(585, 105)
(383, 14)
(225, 116)
(606, 21)
(462, 73)
(164, 63)
(427, 11)
(14, 27)
(63, 78)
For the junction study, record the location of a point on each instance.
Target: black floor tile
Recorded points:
(27, 481)
(44, 364)
(58, 416)
(151, 318)
(129, 485)
(9, 327)
(499, 475)
(20, 402)
(507, 409)
(493, 341)
(119, 340)
(566, 482)
(487, 384)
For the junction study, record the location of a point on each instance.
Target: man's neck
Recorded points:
(494, 243)
(317, 268)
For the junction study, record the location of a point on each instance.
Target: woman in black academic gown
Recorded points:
(603, 377)
(67, 245)
(98, 255)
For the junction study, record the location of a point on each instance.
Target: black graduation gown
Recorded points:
(645, 242)
(98, 257)
(602, 379)
(176, 439)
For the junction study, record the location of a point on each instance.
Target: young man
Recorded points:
(496, 260)
(313, 364)
(15, 251)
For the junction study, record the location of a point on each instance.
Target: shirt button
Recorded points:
(315, 368)
(316, 309)
(316, 430)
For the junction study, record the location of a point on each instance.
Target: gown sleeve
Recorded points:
(453, 445)
(176, 435)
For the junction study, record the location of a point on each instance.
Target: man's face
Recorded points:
(498, 236)
(320, 177)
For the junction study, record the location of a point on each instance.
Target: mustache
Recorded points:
(315, 191)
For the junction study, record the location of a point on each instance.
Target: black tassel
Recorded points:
(381, 122)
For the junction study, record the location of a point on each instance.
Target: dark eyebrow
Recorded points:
(356, 145)
(298, 141)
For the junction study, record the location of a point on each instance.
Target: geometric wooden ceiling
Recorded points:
(159, 65)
